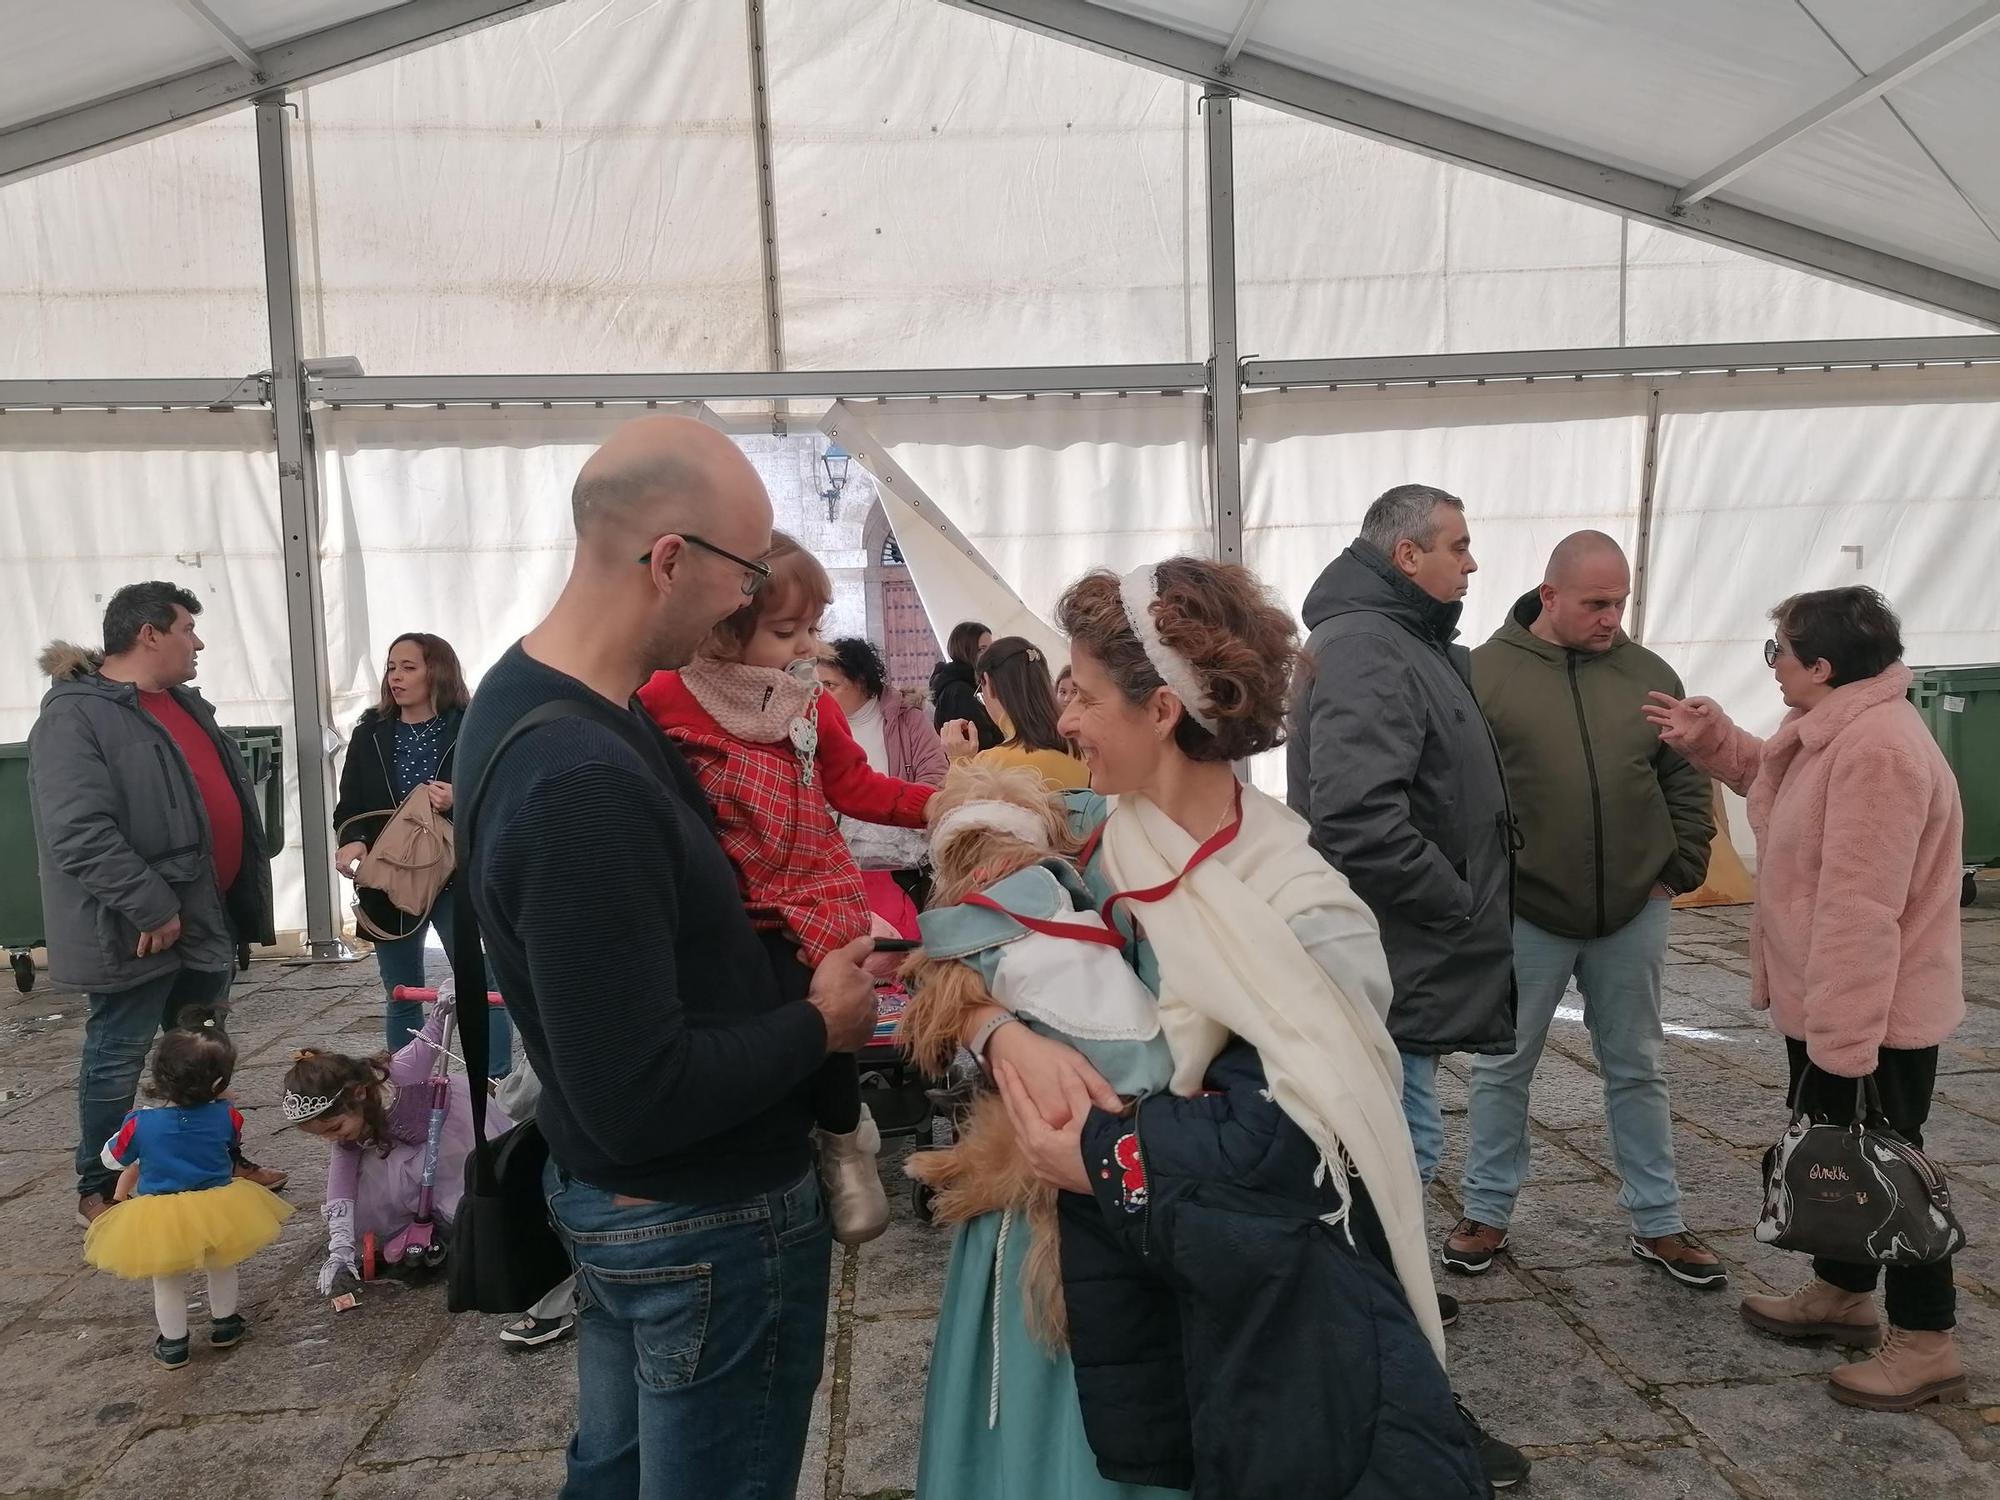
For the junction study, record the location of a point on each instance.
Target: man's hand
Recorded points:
(441, 795)
(161, 938)
(844, 995)
(960, 739)
(347, 859)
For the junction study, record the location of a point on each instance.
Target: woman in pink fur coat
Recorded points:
(1854, 944)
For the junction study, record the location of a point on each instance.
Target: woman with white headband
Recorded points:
(1246, 1276)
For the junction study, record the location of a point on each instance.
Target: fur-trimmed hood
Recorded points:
(64, 661)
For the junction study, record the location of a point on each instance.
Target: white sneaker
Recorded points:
(855, 1199)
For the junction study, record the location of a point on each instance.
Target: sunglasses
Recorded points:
(756, 574)
(1772, 651)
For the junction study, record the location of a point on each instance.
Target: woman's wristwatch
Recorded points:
(977, 1046)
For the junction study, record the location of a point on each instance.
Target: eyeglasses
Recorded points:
(756, 574)
(1772, 651)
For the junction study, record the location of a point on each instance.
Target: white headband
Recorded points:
(1002, 817)
(1140, 590)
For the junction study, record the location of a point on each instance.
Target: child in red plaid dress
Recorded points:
(776, 758)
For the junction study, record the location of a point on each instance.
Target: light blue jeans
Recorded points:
(1619, 976)
(1421, 1112)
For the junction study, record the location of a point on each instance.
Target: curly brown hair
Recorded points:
(1242, 644)
(356, 1081)
(194, 1062)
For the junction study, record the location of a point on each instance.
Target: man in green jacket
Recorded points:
(1613, 824)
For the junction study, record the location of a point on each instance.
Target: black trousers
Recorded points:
(836, 1087)
(1919, 1297)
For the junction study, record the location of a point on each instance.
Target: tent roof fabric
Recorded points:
(1622, 103)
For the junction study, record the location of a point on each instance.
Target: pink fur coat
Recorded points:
(1854, 943)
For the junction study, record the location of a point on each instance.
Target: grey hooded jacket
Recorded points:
(123, 840)
(1392, 764)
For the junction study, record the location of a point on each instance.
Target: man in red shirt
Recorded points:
(151, 855)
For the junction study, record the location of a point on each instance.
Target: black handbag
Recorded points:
(505, 1254)
(1855, 1192)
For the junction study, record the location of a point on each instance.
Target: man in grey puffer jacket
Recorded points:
(150, 849)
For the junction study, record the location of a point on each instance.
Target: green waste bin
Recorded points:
(20, 877)
(1962, 707)
(263, 749)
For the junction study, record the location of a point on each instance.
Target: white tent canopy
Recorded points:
(1081, 305)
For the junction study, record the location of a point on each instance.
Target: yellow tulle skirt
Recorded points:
(166, 1234)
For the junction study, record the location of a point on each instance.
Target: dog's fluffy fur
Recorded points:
(986, 1171)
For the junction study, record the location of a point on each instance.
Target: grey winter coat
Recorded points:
(123, 840)
(1391, 762)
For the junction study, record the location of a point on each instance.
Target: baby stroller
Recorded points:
(420, 1247)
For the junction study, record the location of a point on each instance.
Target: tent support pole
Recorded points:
(767, 203)
(1225, 369)
(298, 512)
(1643, 550)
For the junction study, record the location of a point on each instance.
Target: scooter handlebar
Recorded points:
(411, 992)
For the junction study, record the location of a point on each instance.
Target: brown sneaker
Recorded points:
(1817, 1310)
(1470, 1247)
(1912, 1367)
(264, 1177)
(1684, 1258)
(90, 1207)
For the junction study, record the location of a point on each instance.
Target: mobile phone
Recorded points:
(896, 945)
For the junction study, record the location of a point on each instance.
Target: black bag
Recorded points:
(1856, 1192)
(505, 1254)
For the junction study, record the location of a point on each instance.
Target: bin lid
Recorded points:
(1982, 677)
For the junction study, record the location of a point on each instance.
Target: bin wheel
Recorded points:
(1968, 895)
(23, 965)
(921, 1198)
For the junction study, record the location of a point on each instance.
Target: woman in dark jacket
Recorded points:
(955, 683)
(406, 741)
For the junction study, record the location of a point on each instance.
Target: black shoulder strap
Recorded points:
(468, 959)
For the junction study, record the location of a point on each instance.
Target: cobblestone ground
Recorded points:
(1616, 1381)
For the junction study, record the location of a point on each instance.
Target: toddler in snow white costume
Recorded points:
(189, 1212)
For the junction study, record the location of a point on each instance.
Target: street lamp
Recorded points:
(835, 461)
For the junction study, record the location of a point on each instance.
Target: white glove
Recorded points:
(339, 1216)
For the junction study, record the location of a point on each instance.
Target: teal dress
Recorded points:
(1012, 1429)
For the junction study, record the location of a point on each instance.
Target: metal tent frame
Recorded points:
(291, 393)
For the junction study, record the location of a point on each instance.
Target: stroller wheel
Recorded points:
(921, 1198)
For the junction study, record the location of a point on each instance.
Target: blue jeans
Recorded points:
(1421, 1113)
(117, 1038)
(701, 1332)
(401, 962)
(1619, 975)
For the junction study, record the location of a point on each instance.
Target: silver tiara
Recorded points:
(302, 1107)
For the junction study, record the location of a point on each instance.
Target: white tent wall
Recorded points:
(951, 191)
(572, 191)
(145, 262)
(92, 501)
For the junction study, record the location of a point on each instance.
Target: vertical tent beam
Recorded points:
(298, 512)
(767, 202)
(1225, 368)
(1643, 550)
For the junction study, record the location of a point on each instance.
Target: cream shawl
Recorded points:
(1232, 962)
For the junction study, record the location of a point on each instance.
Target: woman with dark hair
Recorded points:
(1246, 1280)
(898, 740)
(1014, 681)
(405, 741)
(1854, 945)
(955, 684)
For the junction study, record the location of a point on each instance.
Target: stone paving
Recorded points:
(1616, 1381)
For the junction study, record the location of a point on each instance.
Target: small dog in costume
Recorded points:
(1011, 923)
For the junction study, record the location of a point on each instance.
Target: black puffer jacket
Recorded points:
(367, 801)
(955, 695)
(1225, 1337)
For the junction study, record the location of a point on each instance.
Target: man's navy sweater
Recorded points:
(670, 1066)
